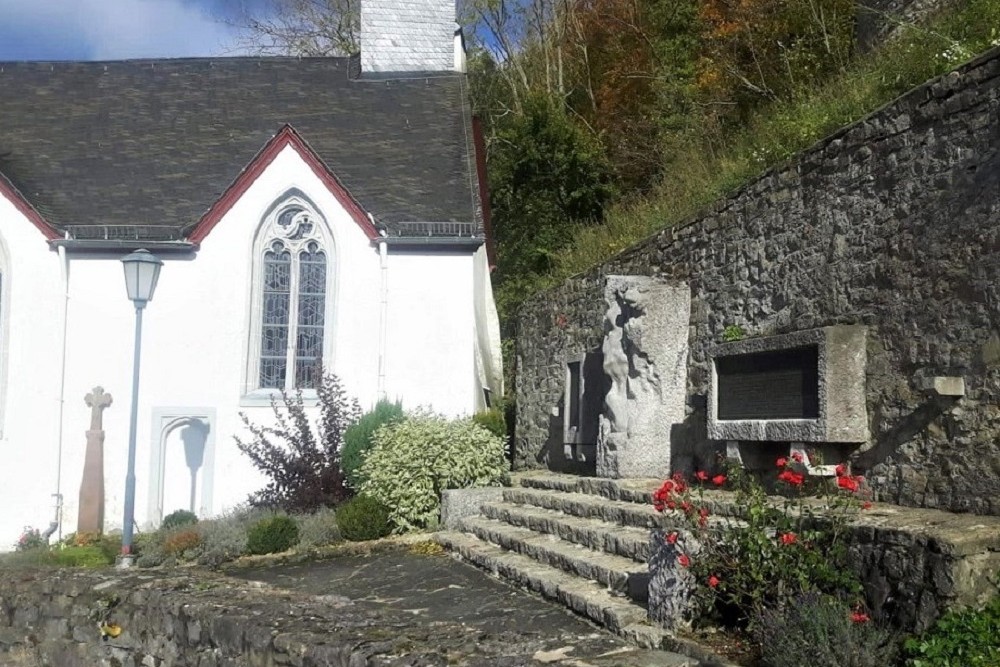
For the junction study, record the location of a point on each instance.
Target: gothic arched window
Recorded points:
(292, 262)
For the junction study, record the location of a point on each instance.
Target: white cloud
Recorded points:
(118, 29)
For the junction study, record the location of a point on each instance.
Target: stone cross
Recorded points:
(97, 400)
(90, 517)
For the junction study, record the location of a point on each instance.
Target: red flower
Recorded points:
(719, 480)
(866, 505)
(782, 461)
(671, 505)
(859, 617)
(683, 560)
(797, 457)
(713, 581)
(672, 538)
(686, 506)
(789, 538)
(701, 475)
(849, 483)
(792, 477)
(841, 470)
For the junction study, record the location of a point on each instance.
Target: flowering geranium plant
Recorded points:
(30, 539)
(767, 551)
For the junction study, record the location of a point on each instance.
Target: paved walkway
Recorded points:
(514, 627)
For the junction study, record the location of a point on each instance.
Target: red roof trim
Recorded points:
(285, 137)
(8, 190)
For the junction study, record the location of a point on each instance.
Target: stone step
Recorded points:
(613, 538)
(627, 490)
(623, 576)
(616, 613)
(591, 506)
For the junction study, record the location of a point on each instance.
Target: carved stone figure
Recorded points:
(90, 518)
(645, 359)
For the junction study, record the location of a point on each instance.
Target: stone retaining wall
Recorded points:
(890, 223)
(51, 618)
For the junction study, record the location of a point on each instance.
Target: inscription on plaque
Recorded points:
(769, 385)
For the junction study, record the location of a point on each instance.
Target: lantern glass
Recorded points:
(142, 269)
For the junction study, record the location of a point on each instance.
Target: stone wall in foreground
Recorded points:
(195, 619)
(892, 223)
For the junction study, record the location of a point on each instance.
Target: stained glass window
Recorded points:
(294, 296)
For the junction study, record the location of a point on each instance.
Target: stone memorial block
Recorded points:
(807, 386)
(645, 360)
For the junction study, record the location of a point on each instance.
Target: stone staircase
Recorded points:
(583, 542)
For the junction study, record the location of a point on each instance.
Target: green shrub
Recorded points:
(413, 461)
(493, 421)
(319, 528)
(272, 535)
(363, 518)
(822, 631)
(177, 519)
(358, 437)
(148, 548)
(967, 638)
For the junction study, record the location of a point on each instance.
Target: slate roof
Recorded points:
(142, 149)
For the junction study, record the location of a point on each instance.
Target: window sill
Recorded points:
(262, 398)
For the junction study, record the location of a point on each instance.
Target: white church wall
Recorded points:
(29, 442)
(194, 351)
(431, 329)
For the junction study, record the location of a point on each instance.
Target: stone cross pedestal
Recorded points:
(90, 518)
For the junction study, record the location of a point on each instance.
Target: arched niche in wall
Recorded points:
(181, 462)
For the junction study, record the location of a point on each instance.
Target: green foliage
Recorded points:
(968, 638)
(546, 178)
(178, 518)
(272, 535)
(318, 529)
(733, 332)
(493, 421)
(302, 461)
(358, 437)
(413, 461)
(823, 631)
(73, 556)
(363, 518)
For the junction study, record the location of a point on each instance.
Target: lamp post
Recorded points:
(142, 269)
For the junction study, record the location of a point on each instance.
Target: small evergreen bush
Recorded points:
(413, 461)
(969, 638)
(493, 421)
(363, 518)
(177, 519)
(822, 631)
(272, 535)
(318, 529)
(358, 437)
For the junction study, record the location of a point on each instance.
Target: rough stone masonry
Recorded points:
(890, 223)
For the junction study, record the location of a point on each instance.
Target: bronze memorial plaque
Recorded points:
(769, 385)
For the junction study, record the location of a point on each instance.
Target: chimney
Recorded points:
(410, 36)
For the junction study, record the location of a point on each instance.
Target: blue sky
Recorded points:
(116, 29)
